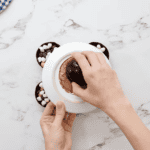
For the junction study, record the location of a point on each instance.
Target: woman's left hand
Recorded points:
(57, 132)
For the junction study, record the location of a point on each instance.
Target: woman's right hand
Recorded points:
(103, 88)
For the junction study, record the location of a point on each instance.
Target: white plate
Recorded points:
(50, 77)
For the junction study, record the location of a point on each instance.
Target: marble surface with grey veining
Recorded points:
(25, 25)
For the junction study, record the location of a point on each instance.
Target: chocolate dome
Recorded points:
(74, 74)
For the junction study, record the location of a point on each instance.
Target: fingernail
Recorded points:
(59, 106)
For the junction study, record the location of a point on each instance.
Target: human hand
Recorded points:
(57, 132)
(103, 88)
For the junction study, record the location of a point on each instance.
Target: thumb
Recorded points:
(60, 112)
(77, 90)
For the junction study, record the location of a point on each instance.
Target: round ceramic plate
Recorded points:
(4, 4)
(50, 77)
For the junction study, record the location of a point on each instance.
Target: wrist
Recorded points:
(121, 105)
(50, 146)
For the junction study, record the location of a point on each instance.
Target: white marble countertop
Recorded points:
(26, 24)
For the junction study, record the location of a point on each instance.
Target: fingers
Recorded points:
(101, 58)
(60, 113)
(77, 90)
(82, 61)
(49, 109)
(71, 119)
(92, 58)
(65, 117)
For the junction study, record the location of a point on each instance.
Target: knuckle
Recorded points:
(74, 54)
(101, 70)
(89, 74)
(80, 56)
(77, 56)
(92, 52)
(101, 56)
(88, 52)
(98, 68)
(103, 67)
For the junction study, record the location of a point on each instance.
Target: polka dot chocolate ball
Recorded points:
(101, 47)
(44, 51)
(41, 96)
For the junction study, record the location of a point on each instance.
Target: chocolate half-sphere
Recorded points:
(74, 74)
(70, 72)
